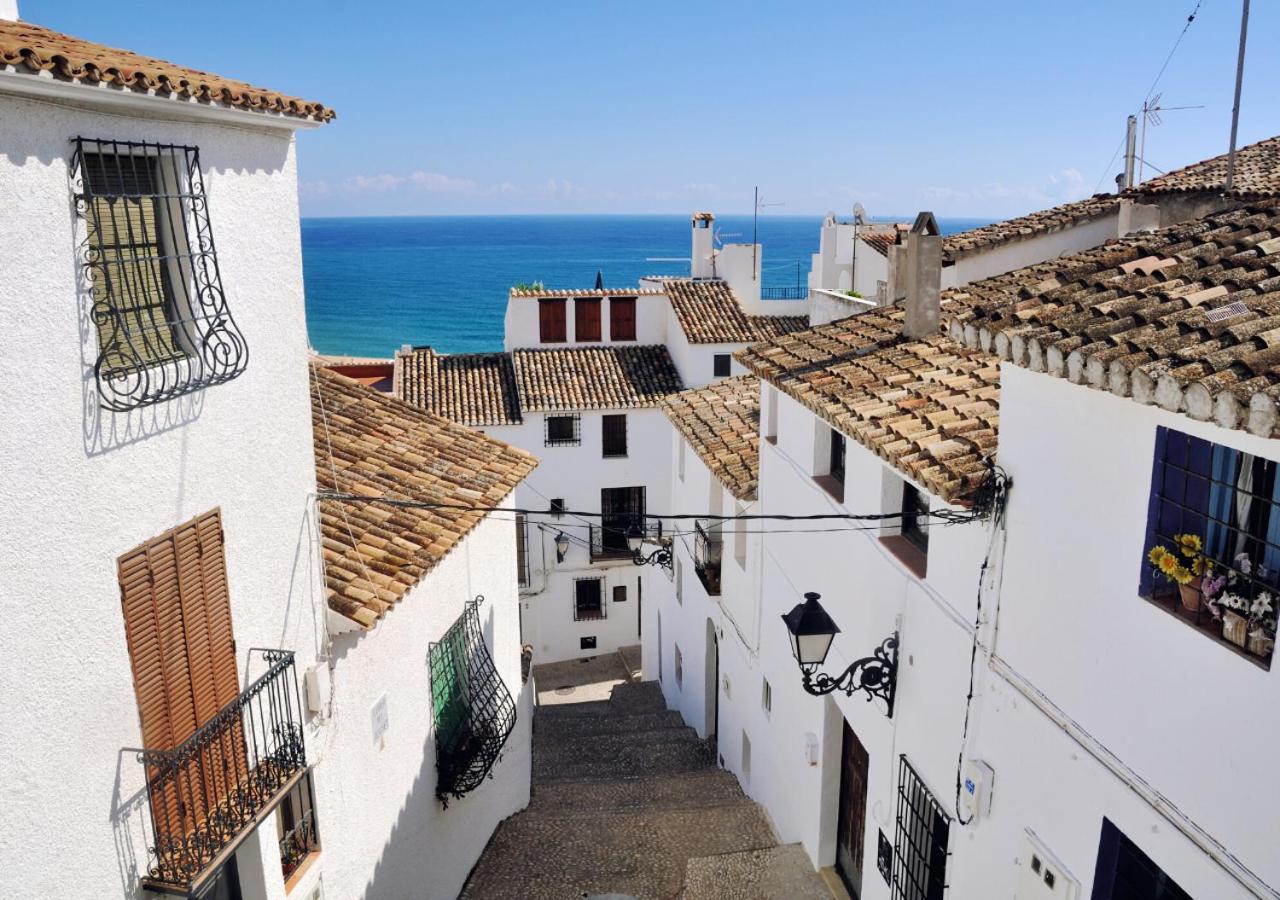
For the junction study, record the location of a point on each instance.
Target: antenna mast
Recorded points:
(1235, 109)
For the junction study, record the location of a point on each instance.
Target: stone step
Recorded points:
(584, 799)
(548, 751)
(626, 699)
(642, 853)
(554, 729)
(625, 759)
(760, 874)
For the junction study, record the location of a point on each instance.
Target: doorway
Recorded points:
(852, 821)
(711, 703)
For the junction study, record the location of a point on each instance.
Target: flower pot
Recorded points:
(1235, 628)
(1260, 644)
(1190, 595)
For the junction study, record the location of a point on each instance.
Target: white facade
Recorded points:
(1014, 254)
(521, 325)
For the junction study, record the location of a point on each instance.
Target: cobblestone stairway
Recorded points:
(628, 801)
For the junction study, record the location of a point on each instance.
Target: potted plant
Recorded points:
(1262, 636)
(1186, 570)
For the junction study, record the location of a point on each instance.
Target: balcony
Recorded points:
(707, 552)
(798, 292)
(211, 791)
(609, 541)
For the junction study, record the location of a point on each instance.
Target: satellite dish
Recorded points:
(859, 214)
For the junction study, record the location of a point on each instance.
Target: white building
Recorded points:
(199, 697)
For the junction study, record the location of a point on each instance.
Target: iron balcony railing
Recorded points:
(209, 793)
(799, 292)
(609, 540)
(707, 552)
(298, 843)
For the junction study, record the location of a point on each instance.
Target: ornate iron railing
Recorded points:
(473, 710)
(609, 541)
(920, 842)
(151, 270)
(212, 790)
(707, 553)
(799, 292)
(299, 841)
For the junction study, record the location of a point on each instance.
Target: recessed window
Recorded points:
(1212, 548)
(746, 756)
(614, 435)
(563, 431)
(152, 271)
(551, 320)
(587, 599)
(679, 581)
(679, 666)
(587, 643)
(721, 365)
(829, 453)
(907, 534)
(522, 550)
(622, 318)
(680, 454)
(920, 842)
(766, 696)
(835, 467)
(1124, 871)
(771, 414)
(296, 827)
(586, 320)
(740, 537)
(619, 593)
(915, 517)
(556, 507)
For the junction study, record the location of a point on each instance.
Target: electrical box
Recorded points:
(811, 748)
(1041, 875)
(317, 687)
(975, 790)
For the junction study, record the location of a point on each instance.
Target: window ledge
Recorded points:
(833, 486)
(907, 553)
(772, 439)
(1210, 628)
(613, 456)
(301, 871)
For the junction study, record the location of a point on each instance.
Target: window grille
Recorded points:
(708, 550)
(296, 827)
(472, 708)
(588, 600)
(522, 550)
(563, 431)
(556, 507)
(163, 325)
(1213, 509)
(721, 365)
(614, 435)
(920, 841)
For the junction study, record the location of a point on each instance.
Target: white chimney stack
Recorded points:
(924, 277)
(701, 263)
(9, 10)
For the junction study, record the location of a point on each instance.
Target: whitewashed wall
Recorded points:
(383, 831)
(82, 486)
(521, 330)
(1015, 254)
(696, 362)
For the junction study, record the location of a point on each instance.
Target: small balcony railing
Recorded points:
(609, 540)
(707, 552)
(798, 292)
(209, 793)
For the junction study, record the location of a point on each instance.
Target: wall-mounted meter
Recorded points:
(975, 790)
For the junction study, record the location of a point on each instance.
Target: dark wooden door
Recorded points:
(853, 811)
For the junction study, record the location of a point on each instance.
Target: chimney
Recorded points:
(9, 10)
(923, 260)
(702, 262)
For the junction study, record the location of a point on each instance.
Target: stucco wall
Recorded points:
(82, 486)
(384, 832)
(1015, 254)
(520, 326)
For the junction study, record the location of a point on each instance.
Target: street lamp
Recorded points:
(635, 543)
(812, 630)
(562, 546)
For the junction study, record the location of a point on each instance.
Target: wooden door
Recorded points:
(853, 811)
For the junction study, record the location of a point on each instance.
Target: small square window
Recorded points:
(722, 365)
(613, 435)
(619, 593)
(587, 643)
(588, 599)
(563, 431)
(556, 507)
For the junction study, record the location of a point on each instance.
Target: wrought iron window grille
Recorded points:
(207, 793)
(592, 606)
(151, 269)
(563, 431)
(708, 551)
(299, 833)
(473, 710)
(920, 840)
(609, 542)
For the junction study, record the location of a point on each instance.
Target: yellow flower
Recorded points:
(1190, 543)
(1168, 564)
(1156, 555)
(1182, 576)
(1200, 565)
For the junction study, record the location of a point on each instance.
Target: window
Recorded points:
(587, 643)
(621, 509)
(746, 755)
(679, 666)
(766, 696)
(915, 516)
(619, 593)
(659, 646)
(163, 325)
(586, 319)
(740, 537)
(556, 507)
(551, 320)
(906, 537)
(614, 435)
(622, 318)
(296, 827)
(835, 466)
(1125, 872)
(1212, 548)
(920, 842)
(828, 460)
(587, 597)
(522, 550)
(680, 454)
(563, 431)
(721, 365)
(679, 581)
(771, 414)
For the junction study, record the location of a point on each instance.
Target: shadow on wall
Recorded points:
(130, 821)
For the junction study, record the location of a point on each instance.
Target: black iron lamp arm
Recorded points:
(876, 675)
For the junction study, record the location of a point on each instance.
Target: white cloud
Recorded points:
(434, 181)
(1057, 188)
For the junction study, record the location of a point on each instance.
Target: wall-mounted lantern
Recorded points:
(812, 630)
(562, 546)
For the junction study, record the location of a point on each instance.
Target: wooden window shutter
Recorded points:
(551, 321)
(586, 319)
(622, 318)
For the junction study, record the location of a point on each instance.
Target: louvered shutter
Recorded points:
(551, 321)
(586, 319)
(622, 319)
(177, 616)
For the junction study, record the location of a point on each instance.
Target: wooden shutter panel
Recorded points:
(622, 319)
(586, 319)
(551, 321)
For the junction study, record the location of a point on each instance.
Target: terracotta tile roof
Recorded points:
(930, 408)
(379, 446)
(709, 313)
(546, 293)
(36, 49)
(1187, 317)
(722, 423)
(1032, 225)
(618, 377)
(471, 388)
(881, 241)
(1257, 174)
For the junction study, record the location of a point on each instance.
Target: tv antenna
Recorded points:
(1151, 110)
(755, 221)
(859, 219)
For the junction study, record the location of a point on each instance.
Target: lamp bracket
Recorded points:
(875, 675)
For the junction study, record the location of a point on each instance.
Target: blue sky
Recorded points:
(983, 109)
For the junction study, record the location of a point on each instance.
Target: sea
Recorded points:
(375, 284)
